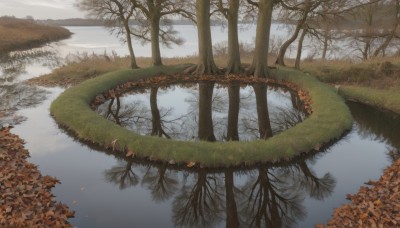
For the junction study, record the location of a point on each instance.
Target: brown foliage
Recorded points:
(25, 195)
(378, 206)
(19, 34)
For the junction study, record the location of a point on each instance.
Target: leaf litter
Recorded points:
(376, 205)
(25, 195)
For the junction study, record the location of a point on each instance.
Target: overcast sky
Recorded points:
(40, 9)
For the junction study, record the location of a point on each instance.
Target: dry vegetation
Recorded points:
(25, 195)
(18, 34)
(378, 206)
(378, 73)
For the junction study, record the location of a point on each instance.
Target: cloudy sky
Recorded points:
(40, 9)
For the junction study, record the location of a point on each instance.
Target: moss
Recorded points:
(329, 120)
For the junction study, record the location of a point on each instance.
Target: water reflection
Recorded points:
(13, 64)
(271, 196)
(213, 112)
(378, 126)
(15, 95)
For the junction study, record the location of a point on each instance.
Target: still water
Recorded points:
(107, 190)
(206, 111)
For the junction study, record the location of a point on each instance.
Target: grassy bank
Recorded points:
(20, 34)
(375, 82)
(329, 120)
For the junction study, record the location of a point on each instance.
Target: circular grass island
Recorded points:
(330, 118)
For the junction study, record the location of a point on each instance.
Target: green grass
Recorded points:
(388, 99)
(329, 120)
(375, 82)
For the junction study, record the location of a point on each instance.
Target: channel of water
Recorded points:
(107, 190)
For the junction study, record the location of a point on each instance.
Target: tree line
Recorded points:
(372, 26)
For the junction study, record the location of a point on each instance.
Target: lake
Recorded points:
(107, 190)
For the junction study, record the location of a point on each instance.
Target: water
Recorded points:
(175, 111)
(106, 190)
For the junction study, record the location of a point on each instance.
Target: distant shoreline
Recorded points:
(94, 22)
(22, 34)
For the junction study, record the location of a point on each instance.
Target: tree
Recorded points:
(153, 11)
(117, 14)
(259, 66)
(375, 26)
(293, 10)
(230, 10)
(206, 63)
(300, 47)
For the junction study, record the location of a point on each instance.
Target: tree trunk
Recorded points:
(233, 112)
(325, 48)
(264, 123)
(259, 66)
(155, 40)
(385, 44)
(206, 128)
(300, 49)
(234, 63)
(206, 64)
(130, 46)
(280, 60)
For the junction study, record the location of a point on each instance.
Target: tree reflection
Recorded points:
(162, 183)
(215, 112)
(157, 123)
(13, 64)
(232, 216)
(274, 198)
(199, 204)
(377, 125)
(206, 127)
(271, 200)
(233, 112)
(122, 174)
(264, 123)
(133, 115)
(15, 97)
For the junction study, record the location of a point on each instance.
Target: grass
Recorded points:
(20, 34)
(379, 73)
(329, 120)
(375, 82)
(84, 66)
(388, 99)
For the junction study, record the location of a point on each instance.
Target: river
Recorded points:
(106, 190)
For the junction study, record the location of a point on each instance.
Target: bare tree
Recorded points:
(154, 13)
(206, 63)
(259, 66)
(295, 10)
(230, 10)
(117, 14)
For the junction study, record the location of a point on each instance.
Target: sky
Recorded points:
(40, 9)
